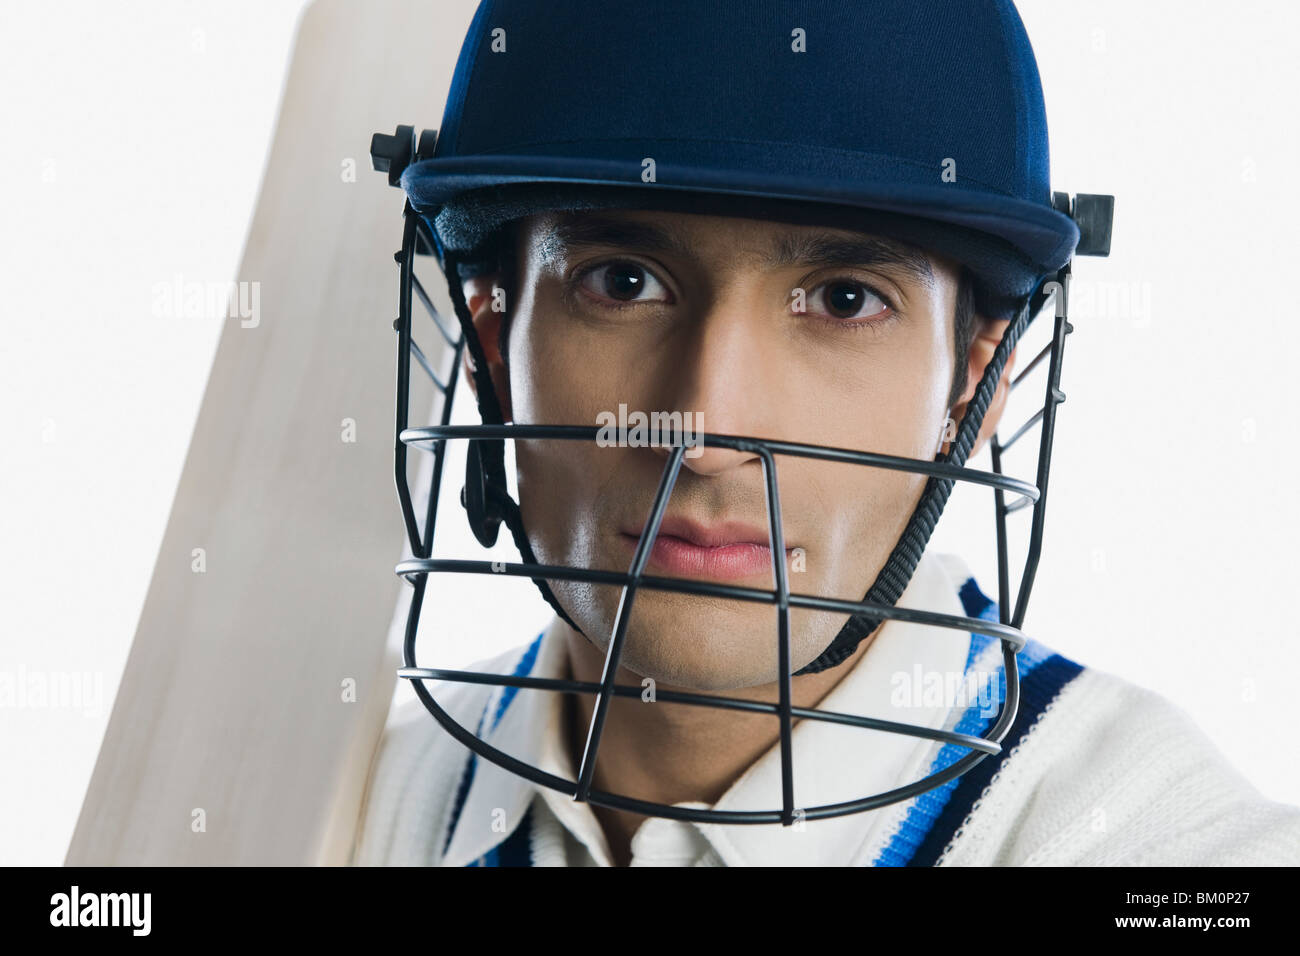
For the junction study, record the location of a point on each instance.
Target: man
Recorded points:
(683, 310)
(849, 319)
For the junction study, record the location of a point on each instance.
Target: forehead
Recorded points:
(553, 236)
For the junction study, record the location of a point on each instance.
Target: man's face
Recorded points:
(700, 314)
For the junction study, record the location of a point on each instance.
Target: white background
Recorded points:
(135, 138)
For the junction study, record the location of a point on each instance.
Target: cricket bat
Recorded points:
(261, 671)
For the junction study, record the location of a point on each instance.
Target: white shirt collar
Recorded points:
(832, 763)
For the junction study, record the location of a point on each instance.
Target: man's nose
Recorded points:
(726, 377)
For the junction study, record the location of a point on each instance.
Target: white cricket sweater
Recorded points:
(1095, 770)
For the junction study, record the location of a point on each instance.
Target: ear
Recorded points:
(481, 296)
(988, 333)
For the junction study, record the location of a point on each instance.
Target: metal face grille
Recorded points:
(415, 570)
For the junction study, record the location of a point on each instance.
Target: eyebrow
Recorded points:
(817, 249)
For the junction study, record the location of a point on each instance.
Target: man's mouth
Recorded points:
(729, 550)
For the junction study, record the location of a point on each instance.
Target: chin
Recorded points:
(710, 645)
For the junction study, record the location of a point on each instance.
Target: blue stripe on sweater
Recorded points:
(935, 815)
(522, 669)
(1037, 691)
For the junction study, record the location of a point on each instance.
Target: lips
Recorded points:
(728, 550)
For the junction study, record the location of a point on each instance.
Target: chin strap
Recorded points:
(485, 497)
(488, 503)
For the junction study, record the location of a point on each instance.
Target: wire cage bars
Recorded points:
(417, 240)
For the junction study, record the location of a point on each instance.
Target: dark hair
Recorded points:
(502, 258)
(963, 332)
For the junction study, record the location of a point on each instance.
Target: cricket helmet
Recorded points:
(920, 120)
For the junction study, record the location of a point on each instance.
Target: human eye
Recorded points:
(621, 283)
(848, 301)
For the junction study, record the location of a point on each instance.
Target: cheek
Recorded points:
(889, 399)
(857, 514)
(886, 400)
(561, 483)
(563, 372)
(557, 488)
(908, 395)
